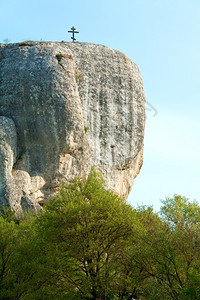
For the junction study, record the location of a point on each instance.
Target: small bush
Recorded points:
(85, 129)
(79, 76)
(59, 57)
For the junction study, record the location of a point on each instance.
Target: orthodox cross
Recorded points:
(73, 31)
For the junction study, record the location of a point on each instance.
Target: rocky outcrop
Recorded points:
(65, 107)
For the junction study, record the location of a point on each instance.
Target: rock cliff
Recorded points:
(65, 107)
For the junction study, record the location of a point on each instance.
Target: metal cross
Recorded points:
(73, 31)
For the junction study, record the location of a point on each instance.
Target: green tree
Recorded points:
(183, 217)
(87, 228)
(144, 259)
(88, 243)
(18, 256)
(163, 259)
(7, 243)
(166, 253)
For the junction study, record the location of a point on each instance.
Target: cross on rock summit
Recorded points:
(73, 31)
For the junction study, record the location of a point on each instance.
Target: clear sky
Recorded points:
(163, 38)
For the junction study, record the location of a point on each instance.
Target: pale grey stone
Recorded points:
(66, 107)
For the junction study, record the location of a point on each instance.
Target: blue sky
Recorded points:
(163, 38)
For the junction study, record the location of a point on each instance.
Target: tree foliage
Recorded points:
(87, 243)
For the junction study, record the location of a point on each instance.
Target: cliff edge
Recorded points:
(65, 107)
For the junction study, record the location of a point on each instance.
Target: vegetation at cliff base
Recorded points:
(88, 243)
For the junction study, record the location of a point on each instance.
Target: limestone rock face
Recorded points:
(65, 107)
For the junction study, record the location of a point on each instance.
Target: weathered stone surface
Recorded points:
(65, 107)
(112, 96)
(8, 150)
